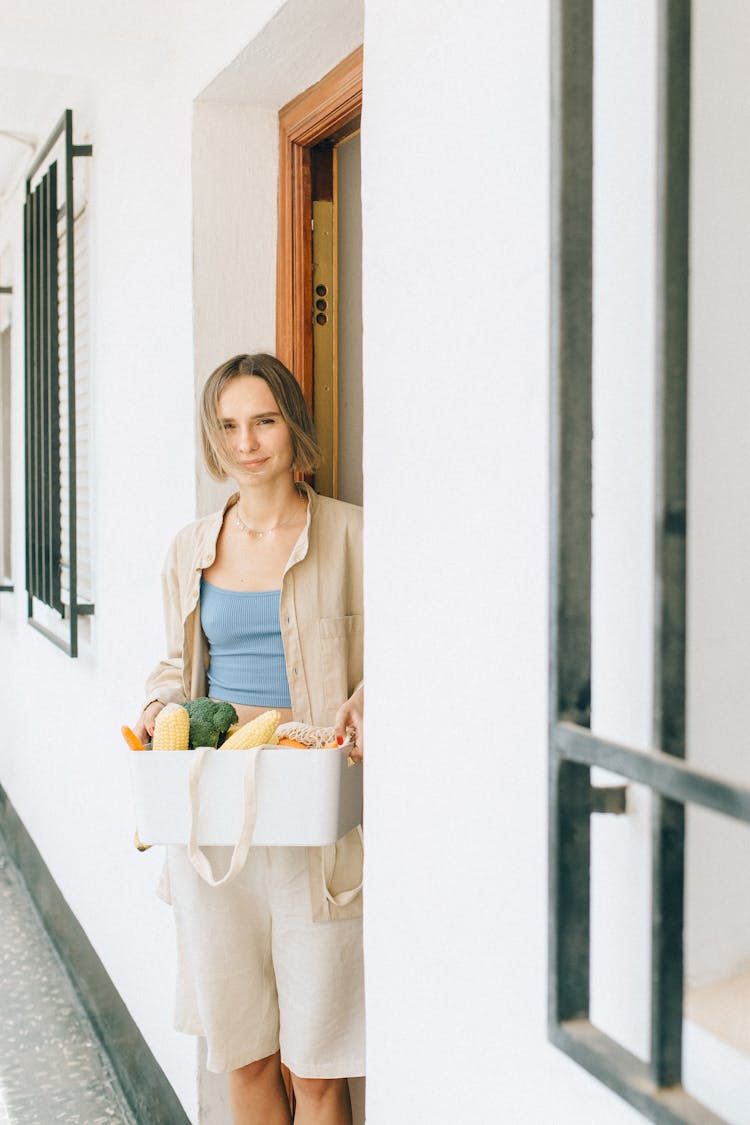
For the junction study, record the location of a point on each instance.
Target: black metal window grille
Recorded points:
(654, 1088)
(50, 325)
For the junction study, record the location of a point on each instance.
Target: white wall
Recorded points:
(455, 215)
(718, 889)
(235, 172)
(623, 499)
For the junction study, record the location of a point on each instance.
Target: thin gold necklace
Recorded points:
(268, 531)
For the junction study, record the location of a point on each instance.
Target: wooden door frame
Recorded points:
(323, 112)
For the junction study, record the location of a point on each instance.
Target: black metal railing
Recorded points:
(655, 1087)
(43, 539)
(46, 456)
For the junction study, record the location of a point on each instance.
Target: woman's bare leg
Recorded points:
(322, 1101)
(257, 1094)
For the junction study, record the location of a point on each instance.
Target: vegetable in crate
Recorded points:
(306, 737)
(132, 739)
(258, 732)
(209, 720)
(171, 728)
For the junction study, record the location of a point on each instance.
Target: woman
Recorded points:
(263, 605)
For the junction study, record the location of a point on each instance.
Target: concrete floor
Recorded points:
(52, 1068)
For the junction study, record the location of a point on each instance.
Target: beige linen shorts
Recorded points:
(256, 974)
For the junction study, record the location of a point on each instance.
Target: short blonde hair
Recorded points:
(289, 399)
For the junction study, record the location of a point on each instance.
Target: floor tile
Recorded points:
(52, 1067)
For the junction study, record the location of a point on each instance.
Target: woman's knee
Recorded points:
(258, 1072)
(319, 1090)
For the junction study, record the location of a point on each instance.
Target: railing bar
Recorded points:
(53, 138)
(48, 421)
(570, 531)
(53, 428)
(50, 428)
(40, 399)
(31, 329)
(668, 816)
(70, 267)
(36, 400)
(671, 777)
(56, 557)
(628, 1076)
(45, 416)
(570, 360)
(61, 642)
(27, 383)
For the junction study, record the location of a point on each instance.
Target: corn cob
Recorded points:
(258, 732)
(172, 729)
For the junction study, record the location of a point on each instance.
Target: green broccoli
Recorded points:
(209, 721)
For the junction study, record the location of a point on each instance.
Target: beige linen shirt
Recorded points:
(321, 617)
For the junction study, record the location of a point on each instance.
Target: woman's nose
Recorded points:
(248, 440)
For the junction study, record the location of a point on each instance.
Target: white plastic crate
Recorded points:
(304, 797)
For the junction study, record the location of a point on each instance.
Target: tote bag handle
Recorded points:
(343, 898)
(198, 859)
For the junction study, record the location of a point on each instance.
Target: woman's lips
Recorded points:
(253, 464)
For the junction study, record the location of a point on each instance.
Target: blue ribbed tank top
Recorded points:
(246, 653)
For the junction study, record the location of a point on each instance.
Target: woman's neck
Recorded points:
(268, 504)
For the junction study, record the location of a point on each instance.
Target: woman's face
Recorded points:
(257, 437)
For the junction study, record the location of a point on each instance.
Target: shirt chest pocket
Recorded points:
(341, 656)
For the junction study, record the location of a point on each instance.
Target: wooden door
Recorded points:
(319, 139)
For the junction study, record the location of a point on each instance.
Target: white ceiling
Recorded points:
(49, 51)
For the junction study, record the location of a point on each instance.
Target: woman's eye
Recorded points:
(227, 425)
(265, 421)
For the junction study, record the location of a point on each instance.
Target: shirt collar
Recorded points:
(301, 547)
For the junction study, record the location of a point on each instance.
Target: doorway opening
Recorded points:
(319, 268)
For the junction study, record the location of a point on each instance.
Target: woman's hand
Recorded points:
(350, 718)
(144, 728)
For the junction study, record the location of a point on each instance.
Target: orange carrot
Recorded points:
(292, 742)
(132, 739)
